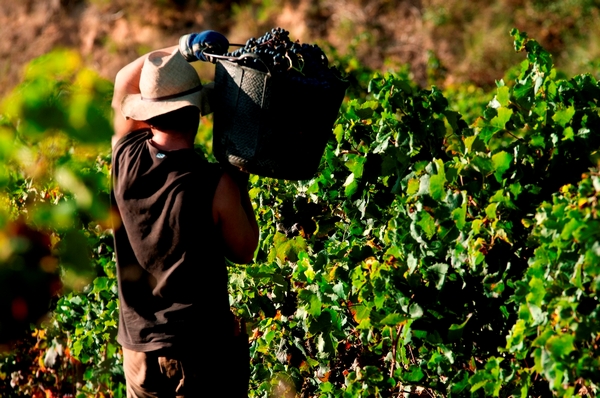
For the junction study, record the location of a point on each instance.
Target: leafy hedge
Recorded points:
(429, 256)
(405, 264)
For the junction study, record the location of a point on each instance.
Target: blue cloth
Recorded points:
(199, 46)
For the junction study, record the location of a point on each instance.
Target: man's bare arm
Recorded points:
(234, 215)
(127, 82)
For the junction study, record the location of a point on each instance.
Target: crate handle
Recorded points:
(228, 58)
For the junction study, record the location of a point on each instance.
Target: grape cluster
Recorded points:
(274, 52)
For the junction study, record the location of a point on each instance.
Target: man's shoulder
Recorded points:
(132, 138)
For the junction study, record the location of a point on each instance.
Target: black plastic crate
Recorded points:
(272, 126)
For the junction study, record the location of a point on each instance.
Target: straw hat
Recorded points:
(167, 83)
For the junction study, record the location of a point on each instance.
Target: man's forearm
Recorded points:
(248, 209)
(127, 82)
(241, 180)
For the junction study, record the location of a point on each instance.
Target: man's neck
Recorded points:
(171, 141)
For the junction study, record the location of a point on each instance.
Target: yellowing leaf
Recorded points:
(413, 186)
(360, 312)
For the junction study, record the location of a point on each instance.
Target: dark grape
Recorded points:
(302, 63)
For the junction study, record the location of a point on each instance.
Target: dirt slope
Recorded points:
(111, 33)
(457, 40)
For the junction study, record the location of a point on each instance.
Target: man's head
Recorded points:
(184, 120)
(167, 83)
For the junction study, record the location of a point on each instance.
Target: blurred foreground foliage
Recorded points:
(430, 256)
(55, 242)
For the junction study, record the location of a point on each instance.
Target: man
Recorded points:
(180, 217)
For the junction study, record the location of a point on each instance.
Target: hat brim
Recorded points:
(134, 107)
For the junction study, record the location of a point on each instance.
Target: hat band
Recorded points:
(177, 95)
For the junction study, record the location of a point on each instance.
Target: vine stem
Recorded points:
(411, 355)
(514, 136)
(398, 330)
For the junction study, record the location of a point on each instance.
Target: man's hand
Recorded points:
(199, 46)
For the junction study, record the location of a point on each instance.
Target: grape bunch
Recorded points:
(274, 52)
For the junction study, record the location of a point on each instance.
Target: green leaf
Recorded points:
(491, 211)
(569, 229)
(515, 189)
(540, 109)
(351, 186)
(288, 249)
(367, 109)
(415, 311)
(520, 39)
(455, 330)
(326, 387)
(427, 223)
(459, 383)
(538, 140)
(473, 144)
(537, 291)
(437, 273)
(424, 185)
(501, 161)
(356, 164)
(100, 284)
(561, 345)
(323, 323)
(500, 120)
(460, 213)
(340, 289)
(483, 164)
(338, 132)
(539, 80)
(524, 90)
(564, 116)
(502, 95)
(437, 182)
(568, 134)
(393, 319)
(413, 375)
(486, 133)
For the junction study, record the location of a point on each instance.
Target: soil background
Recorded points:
(442, 42)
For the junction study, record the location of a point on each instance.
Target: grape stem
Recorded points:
(291, 62)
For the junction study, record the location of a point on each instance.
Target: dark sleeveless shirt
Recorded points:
(171, 270)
